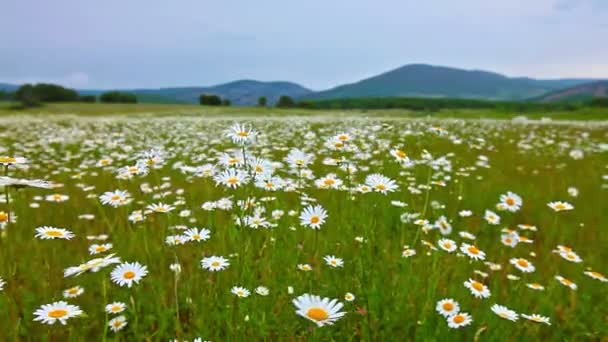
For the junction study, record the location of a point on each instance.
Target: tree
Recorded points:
(117, 97)
(30, 95)
(262, 101)
(210, 100)
(25, 94)
(88, 98)
(226, 102)
(286, 102)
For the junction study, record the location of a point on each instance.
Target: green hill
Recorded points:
(580, 93)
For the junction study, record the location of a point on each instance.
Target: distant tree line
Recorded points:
(213, 100)
(436, 104)
(35, 94)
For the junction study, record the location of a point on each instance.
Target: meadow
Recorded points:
(204, 227)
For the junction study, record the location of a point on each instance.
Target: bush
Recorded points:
(226, 102)
(117, 97)
(286, 102)
(210, 100)
(88, 98)
(30, 95)
(262, 101)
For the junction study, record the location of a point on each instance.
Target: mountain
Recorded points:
(8, 87)
(582, 92)
(422, 80)
(240, 93)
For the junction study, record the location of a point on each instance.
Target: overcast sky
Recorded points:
(317, 43)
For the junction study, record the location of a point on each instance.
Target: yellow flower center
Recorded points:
(129, 275)
(522, 263)
(400, 154)
(315, 219)
(317, 314)
(458, 319)
(215, 264)
(54, 233)
(117, 323)
(473, 250)
(8, 159)
(3, 216)
(115, 197)
(232, 180)
(116, 308)
(381, 187)
(510, 201)
(477, 286)
(243, 134)
(448, 306)
(329, 181)
(57, 313)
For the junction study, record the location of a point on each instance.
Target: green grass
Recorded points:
(148, 109)
(395, 296)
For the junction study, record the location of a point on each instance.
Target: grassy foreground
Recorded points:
(395, 264)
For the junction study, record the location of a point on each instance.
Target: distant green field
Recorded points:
(104, 109)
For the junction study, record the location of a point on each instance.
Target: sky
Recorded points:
(316, 43)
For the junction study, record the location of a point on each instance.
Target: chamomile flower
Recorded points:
(313, 216)
(231, 178)
(56, 312)
(504, 312)
(128, 273)
(115, 308)
(459, 320)
(491, 217)
(73, 292)
(332, 261)
(115, 198)
(117, 323)
(160, 208)
(522, 265)
(566, 282)
(304, 267)
(447, 307)
(380, 183)
(240, 292)
(472, 251)
(99, 248)
(537, 318)
(447, 245)
(319, 311)
(241, 134)
(511, 202)
(51, 233)
(214, 263)
(349, 297)
(9, 161)
(597, 276)
(560, 206)
(477, 289)
(262, 291)
(197, 235)
(535, 286)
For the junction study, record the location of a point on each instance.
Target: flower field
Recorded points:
(296, 229)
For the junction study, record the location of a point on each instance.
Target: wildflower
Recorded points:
(478, 289)
(537, 318)
(240, 292)
(51, 233)
(115, 198)
(128, 273)
(349, 297)
(380, 183)
(214, 263)
(57, 311)
(9, 161)
(447, 245)
(566, 282)
(96, 249)
(195, 234)
(447, 307)
(535, 286)
(511, 202)
(491, 217)
(116, 307)
(560, 206)
(319, 311)
(592, 274)
(332, 261)
(458, 320)
(73, 292)
(313, 216)
(117, 323)
(504, 312)
(262, 290)
(160, 207)
(241, 134)
(57, 198)
(472, 251)
(304, 267)
(522, 265)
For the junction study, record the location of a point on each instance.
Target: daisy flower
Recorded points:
(8, 161)
(313, 216)
(2, 283)
(298, 158)
(510, 202)
(115, 198)
(504, 312)
(214, 263)
(491, 217)
(349, 297)
(51, 233)
(57, 198)
(511, 239)
(241, 134)
(447, 245)
(522, 265)
(566, 282)
(304, 267)
(400, 155)
(332, 261)
(117, 323)
(479, 290)
(240, 292)
(160, 207)
(592, 274)
(128, 273)
(262, 290)
(57, 311)
(195, 234)
(380, 183)
(570, 256)
(320, 311)
(116, 307)
(458, 320)
(560, 206)
(73, 292)
(447, 307)
(537, 318)
(96, 249)
(536, 286)
(472, 251)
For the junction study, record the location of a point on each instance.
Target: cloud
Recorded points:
(569, 5)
